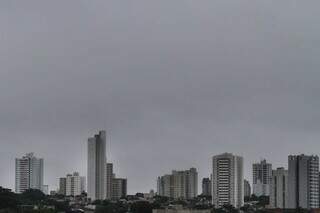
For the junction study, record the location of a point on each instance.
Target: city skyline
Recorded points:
(199, 185)
(172, 90)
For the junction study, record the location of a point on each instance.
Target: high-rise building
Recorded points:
(116, 187)
(28, 173)
(262, 173)
(97, 160)
(165, 186)
(72, 185)
(303, 181)
(247, 188)
(180, 184)
(279, 189)
(206, 187)
(227, 180)
(62, 186)
(109, 180)
(119, 188)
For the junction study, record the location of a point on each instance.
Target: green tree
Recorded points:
(32, 196)
(230, 209)
(8, 199)
(141, 207)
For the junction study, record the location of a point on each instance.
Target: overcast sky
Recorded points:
(172, 82)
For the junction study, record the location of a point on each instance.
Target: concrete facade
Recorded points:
(227, 180)
(28, 173)
(72, 185)
(110, 176)
(247, 188)
(279, 189)
(180, 184)
(97, 160)
(303, 181)
(119, 188)
(206, 187)
(261, 173)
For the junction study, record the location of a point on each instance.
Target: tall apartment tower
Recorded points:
(165, 186)
(28, 173)
(262, 173)
(62, 186)
(227, 180)
(247, 188)
(97, 167)
(303, 181)
(279, 189)
(180, 184)
(110, 177)
(206, 187)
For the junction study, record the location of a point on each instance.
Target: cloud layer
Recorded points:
(173, 83)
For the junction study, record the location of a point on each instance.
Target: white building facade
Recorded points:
(72, 184)
(28, 173)
(180, 184)
(227, 180)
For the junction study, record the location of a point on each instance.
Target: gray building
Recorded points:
(119, 188)
(180, 184)
(206, 187)
(62, 186)
(165, 186)
(28, 173)
(262, 173)
(72, 184)
(279, 189)
(303, 181)
(110, 176)
(227, 180)
(116, 187)
(247, 188)
(97, 160)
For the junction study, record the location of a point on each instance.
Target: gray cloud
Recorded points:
(175, 82)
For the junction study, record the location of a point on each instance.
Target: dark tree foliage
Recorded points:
(263, 201)
(97, 202)
(230, 209)
(254, 198)
(11, 202)
(247, 199)
(180, 202)
(160, 201)
(109, 207)
(32, 196)
(8, 199)
(60, 206)
(141, 207)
